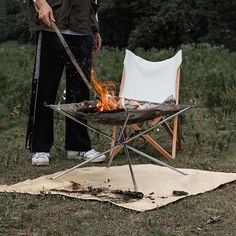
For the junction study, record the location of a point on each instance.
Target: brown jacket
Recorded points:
(76, 15)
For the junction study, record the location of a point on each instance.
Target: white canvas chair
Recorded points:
(153, 82)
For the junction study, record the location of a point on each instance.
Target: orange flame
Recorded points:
(107, 94)
(108, 101)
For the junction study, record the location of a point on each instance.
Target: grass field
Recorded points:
(209, 135)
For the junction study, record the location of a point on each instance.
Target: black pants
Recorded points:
(51, 58)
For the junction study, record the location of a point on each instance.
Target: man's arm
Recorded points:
(45, 11)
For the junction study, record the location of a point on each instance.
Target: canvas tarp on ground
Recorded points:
(159, 185)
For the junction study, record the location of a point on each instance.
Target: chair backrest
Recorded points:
(150, 81)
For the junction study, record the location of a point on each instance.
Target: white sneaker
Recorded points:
(40, 158)
(75, 155)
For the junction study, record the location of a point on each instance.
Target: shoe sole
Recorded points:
(85, 159)
(41, 164)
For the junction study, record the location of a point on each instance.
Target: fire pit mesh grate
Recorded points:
(139, 111)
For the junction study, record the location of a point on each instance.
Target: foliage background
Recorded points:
(144, 23)
(171, 23)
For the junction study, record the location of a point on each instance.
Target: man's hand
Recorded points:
(97, 43)
(45, 12)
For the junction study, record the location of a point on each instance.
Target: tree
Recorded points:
(14, 24)
(3, 9)
(154, 23)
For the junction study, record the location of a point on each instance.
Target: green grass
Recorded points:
(208, 143)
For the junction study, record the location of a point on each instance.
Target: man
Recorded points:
(77, 21)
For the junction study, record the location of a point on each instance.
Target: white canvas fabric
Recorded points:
(149, 81)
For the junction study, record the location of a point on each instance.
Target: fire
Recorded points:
(108, 100)
(106, 90)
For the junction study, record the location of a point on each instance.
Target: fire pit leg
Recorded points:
(130, 167)
(119, 139)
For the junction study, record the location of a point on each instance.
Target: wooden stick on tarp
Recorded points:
(73, 59)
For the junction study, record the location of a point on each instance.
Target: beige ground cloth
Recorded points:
(155, 182)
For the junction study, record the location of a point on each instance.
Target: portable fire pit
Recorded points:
(125, 112)
(130, 112)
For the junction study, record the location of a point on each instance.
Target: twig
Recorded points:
(72, 57)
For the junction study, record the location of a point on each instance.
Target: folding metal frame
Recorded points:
(121, 141)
